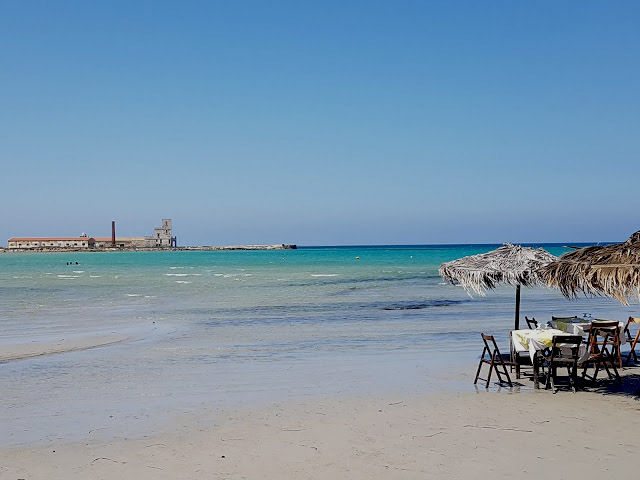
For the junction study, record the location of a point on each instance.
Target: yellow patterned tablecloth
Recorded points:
(539, 338)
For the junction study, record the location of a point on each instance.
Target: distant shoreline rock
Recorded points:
(244, 247)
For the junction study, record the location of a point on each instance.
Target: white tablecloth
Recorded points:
(536, 340)
(578, 328)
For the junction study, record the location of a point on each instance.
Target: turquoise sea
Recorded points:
(240, 328)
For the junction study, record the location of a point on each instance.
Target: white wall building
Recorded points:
(35, 243)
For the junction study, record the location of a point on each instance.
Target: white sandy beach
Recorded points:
(462, 435)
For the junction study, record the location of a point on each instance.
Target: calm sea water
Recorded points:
(240, 327)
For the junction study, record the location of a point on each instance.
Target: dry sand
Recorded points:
(530, 434)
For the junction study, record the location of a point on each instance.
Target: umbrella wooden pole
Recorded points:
(518, 307)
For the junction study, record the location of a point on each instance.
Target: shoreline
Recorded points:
(440, 435)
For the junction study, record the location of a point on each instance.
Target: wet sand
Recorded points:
(18, 351)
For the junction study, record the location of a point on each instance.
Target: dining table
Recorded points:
(581, 326)
(535, 341)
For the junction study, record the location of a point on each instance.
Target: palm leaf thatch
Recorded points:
(510, 264)
(610, 270)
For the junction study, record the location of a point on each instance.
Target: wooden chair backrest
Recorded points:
(563, 318)
(605, 323)
(626, 327)
(566, 339)
(559, 341)
(602, 335)
(612, 326)
(489, 338)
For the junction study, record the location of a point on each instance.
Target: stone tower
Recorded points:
(163, 236)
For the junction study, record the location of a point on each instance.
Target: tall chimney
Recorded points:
(113, 234)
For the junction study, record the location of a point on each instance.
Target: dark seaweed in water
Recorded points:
(420, 306)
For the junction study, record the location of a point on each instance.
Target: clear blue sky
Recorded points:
(331, 122)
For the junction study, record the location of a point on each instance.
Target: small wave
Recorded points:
(420, 306)
(149, 296)
(182, 281)
(95, 276)
(345, 291)
(218, 274)
(78, 271)
(134, 295)
(68, 276)
(174, 268)
(325, 275)
(176, 274)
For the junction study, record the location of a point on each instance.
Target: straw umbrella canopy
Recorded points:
(510, 264)
(610, 270)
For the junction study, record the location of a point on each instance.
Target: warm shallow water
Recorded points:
(239, 327)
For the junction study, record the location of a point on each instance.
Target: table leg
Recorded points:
(536, 380)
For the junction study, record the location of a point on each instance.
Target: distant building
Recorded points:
(121, 242)
(52, 242)
(162, 238)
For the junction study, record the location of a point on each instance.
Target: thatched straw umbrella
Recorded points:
(610, 270)
(510, 264)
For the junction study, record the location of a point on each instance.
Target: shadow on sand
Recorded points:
(628, 387)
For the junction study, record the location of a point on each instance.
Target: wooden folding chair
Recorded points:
(633, 341)
(614, 341)
(496, 361)
(565, 351)
(531, 322)
(601, 351)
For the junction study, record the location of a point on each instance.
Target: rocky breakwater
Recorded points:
(282, 246)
